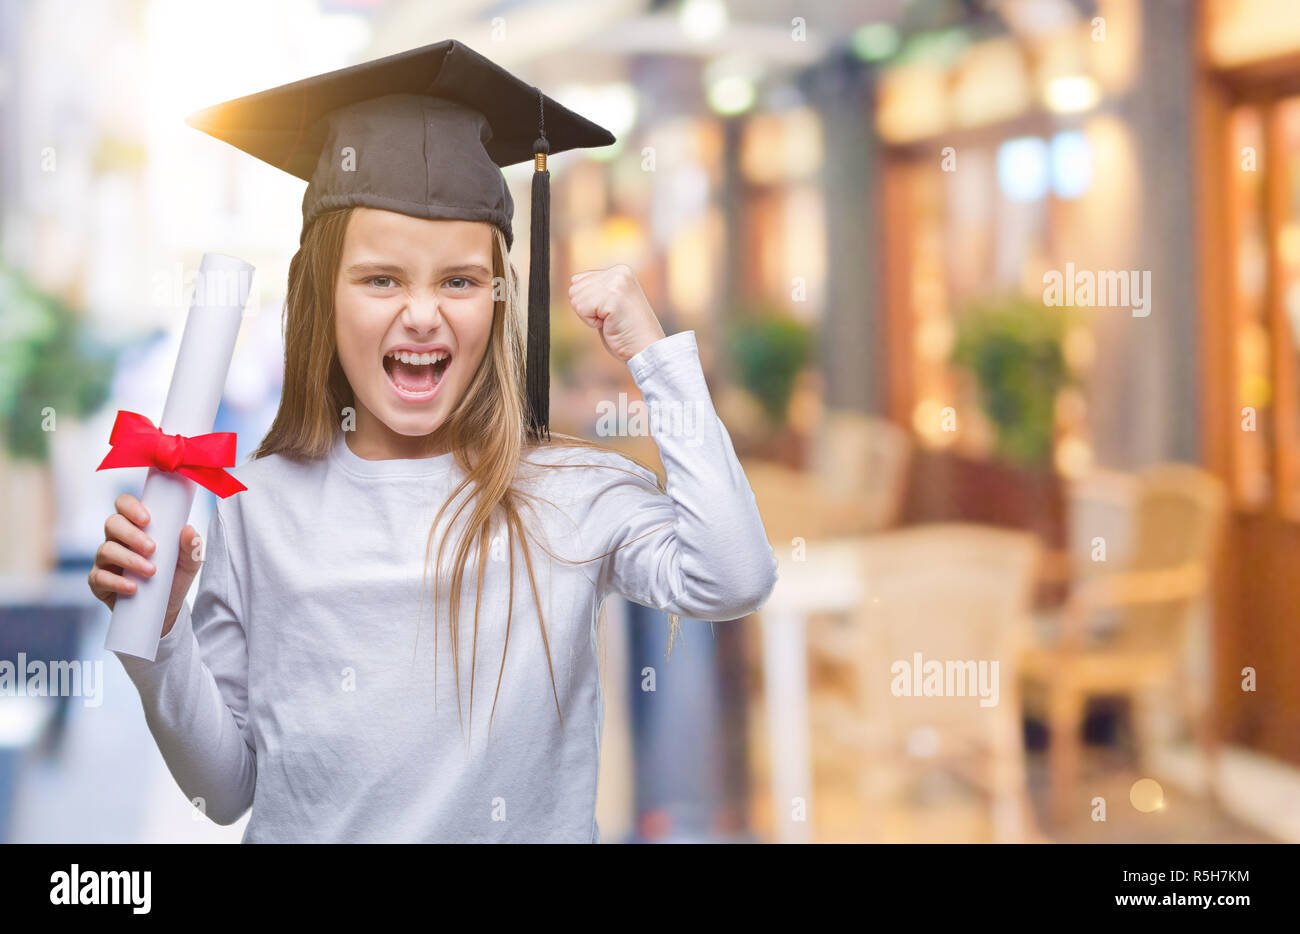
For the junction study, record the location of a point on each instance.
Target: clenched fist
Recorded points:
(612, 301)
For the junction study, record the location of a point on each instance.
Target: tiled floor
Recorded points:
(949, 813)
(1185, 817)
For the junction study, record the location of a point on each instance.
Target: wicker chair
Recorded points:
(1125, 632)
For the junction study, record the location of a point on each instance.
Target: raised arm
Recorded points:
(699, 550)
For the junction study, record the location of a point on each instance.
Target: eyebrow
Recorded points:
(461, 268)
(381, 268)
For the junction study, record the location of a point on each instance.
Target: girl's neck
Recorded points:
(386, 444)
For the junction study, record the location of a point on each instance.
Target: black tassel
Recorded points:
(538, 366)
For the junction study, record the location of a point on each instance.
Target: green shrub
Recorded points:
(768, 350)
(47, 359)
(1013, 347)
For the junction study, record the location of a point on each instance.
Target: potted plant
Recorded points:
(767, 351)
(1013, 349)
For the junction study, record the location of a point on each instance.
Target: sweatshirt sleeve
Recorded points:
(195, 693)
(699, 551)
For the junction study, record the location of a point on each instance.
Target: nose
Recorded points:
(421, 313)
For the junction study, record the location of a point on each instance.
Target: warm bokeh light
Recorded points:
(1071, 94)
(702, 20)
(1146, 795)
(731, 93)
(990, 84)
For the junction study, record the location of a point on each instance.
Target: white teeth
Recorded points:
(419, 359)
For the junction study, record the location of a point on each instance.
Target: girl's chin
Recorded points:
(411, 421)
(411, 431)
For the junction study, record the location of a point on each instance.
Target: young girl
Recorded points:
(394, 636)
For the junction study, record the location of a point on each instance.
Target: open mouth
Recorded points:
(416, 376)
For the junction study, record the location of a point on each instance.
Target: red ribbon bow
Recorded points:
(137, 443)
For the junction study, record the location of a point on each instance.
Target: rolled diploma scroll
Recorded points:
(191, 409)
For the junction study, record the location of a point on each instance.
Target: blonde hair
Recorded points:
(486, 430)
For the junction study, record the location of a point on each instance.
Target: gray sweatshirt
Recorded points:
(305, 682)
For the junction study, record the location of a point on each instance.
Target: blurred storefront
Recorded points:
(1061, 183)
(1120, 144)
(1249, 108)
(1008, 160)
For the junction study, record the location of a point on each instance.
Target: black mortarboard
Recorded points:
(424, 133)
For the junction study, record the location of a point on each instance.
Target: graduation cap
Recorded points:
(425, 133)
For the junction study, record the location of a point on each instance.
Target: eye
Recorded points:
(466, 282)
(381, 282)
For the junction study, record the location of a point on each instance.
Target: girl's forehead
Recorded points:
(393, 233)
